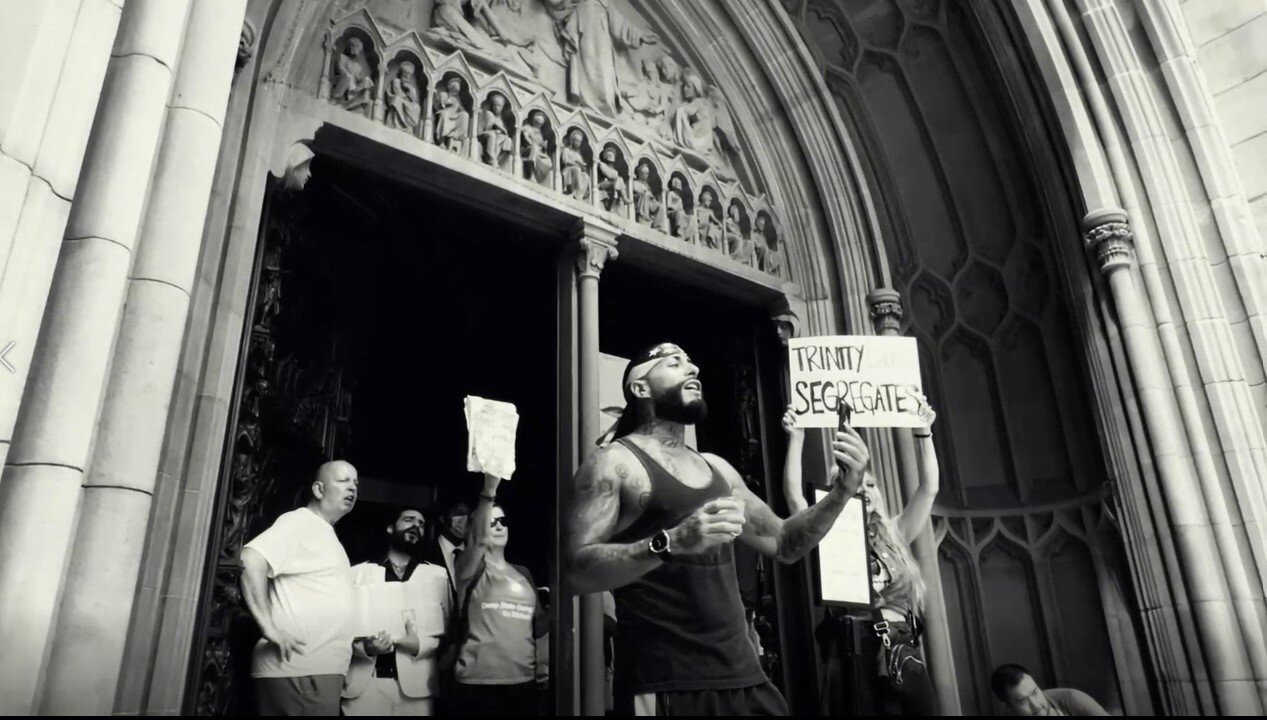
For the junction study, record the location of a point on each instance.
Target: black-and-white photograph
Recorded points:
(633, 357)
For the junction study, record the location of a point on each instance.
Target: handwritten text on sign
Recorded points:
(875, 375)
(490, 428)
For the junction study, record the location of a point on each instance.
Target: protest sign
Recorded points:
(490, 436)
(844, 576)
(875, 375)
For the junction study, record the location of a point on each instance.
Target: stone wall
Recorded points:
(1231, 41)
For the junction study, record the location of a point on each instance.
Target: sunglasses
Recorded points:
(500, 522)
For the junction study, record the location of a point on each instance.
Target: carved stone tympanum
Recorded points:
(490, 80)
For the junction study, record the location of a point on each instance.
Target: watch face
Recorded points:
(660, 542)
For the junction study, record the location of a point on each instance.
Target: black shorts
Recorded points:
(763, 699)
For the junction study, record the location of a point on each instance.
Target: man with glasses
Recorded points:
(394, 671)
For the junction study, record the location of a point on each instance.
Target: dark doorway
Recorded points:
(376, 310)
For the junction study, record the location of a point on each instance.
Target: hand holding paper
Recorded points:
(490, 427)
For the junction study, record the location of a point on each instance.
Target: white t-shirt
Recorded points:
(310, 596)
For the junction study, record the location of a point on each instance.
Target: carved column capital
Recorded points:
(592, 256)
(886, 311)
(1107, 232)
(246, 45)
(595, 247)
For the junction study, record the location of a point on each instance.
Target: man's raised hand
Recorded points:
(852, 454)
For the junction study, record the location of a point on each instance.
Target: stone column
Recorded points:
(596, 246)
(97, 599)
(42, 143)
(1109, 237)
(41, 485)
(886, 313)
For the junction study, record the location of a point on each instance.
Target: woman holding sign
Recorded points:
(500, 619)
(904, 687)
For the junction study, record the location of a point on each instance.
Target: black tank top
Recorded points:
(682, 625)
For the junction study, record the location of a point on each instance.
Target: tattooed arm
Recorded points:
(609, 479)
(790, 540)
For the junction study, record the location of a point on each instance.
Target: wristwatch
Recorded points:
(659, 546)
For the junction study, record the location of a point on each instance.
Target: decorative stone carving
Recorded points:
(404, 98)
(353, 87)
(593, 255)
(440, 83)
(679, 209)
(496, 143)
(613, 191)
(645, 199)
(592, 32)
(246, 44)
(575, 166)
(536, 149)
(1108, 234)
(453, 121)
(643, 100)
(737, 242)
(769, 257)
(711, 231)
(491, 33)
(298, 167)
(886, 311)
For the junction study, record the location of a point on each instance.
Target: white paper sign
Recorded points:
(383, 606)
(844, 576)
(874, 374)
(490, 436)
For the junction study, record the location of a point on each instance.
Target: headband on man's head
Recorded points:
(638, 368)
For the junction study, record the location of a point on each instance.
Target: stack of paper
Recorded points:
(490, 436)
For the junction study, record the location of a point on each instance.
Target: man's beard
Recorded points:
(399, 542)
(671, 406)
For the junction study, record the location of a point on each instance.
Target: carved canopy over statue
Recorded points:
(580, 97)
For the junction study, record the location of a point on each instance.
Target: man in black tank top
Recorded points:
(654, 522)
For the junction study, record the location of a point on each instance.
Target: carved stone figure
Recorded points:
(354, 82)
(246, 45)
(643, 100)
(613, 190)
(739, 247)
(534, 149)
(576, 174)
(490, 34)
(766, 248)
(404, 99)
(453, 122)
(693, 123)
(495, 137)
(591, 32)
(298, 169)
(646, 204)
(724, 136)
(681, 223)
(710, 226)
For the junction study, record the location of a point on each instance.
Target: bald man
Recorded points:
(298, 585)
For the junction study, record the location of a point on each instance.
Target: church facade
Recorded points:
(239, 237)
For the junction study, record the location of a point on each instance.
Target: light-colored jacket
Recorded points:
(426, 591)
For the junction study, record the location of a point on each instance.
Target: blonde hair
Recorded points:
(906, 579)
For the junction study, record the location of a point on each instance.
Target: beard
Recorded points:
(672, 406)
(398, 541)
